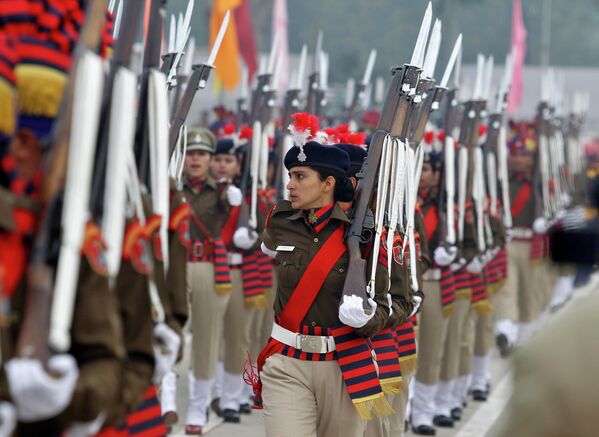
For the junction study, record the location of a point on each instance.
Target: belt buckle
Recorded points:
(311, 344)
(197, 249)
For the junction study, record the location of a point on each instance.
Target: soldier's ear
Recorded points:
(329, 184)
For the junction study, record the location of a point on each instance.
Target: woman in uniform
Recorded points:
(318, 376)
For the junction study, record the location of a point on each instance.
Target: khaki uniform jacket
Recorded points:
(288, 227)
(210, 205)
(526, 218)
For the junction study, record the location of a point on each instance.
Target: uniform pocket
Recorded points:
(289, 265)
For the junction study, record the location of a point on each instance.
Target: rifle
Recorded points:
(33, 335)
(313, 99)
(392, 121)
(199, 78)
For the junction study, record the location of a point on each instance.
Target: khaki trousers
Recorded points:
(451, 354)
(399, 402)
(522, 281)
(432, 333)
(207, 315)
(236, 338)
(307, 399)
(484, 340)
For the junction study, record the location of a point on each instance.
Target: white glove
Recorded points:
(566, 200)
(487, 257)
(270, 253)
(389, 302)
(509, 235)
(352, 313)
(540, 225)
(476, 265)
(457, 265)
(416, 301)
(245, 238)
(166, 346)
(36, 394)
(8, 418)
(234, 195)
(86, 429)
(444, 256)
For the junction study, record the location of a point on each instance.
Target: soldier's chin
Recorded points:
(295, 203)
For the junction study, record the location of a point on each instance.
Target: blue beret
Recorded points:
(318, 156)
(225, 146)
(357, 155)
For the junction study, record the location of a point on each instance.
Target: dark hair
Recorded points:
(344, 189)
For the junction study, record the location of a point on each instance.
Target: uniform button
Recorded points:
(284, 263)
(316, 239)
(341, 270)
(313, 323)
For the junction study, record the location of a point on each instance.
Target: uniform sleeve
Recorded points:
(400, 295)
(498, 230)
(176, 282)
(98, 347)
(381, 315)
(469, 246)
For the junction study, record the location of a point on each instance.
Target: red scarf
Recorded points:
(387, 359)
(479, 298)
(253, 287)
(405, 338)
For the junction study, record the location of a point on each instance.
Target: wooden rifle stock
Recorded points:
(313, 99)
(361, 228)
(32, 339)
(357, 99)
(430, 104)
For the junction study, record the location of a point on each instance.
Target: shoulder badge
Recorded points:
(94, 249)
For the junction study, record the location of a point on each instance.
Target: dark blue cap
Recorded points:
(314, 154)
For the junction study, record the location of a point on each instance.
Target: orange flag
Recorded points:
(227, 60)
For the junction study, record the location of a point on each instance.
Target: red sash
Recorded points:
(521, 199)
(431, 221)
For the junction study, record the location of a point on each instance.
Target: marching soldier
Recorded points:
(210, 204)
(305, 234)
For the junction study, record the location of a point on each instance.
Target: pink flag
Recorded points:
(279, 26)
(519, 47)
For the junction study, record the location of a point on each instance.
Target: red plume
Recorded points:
(429, 137)
(304, 127)
(228, 130)
(482, 130)
(343, 128)
(441, 136)
(357, 139)
(246, 133)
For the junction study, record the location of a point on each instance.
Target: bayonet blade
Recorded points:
(171, 35)
(422, 36)
(317, 50)
(273, 53)
(478, 83)
(432, 53)
(302, 67)
(369, 67)
(457, 48)
(488, 78)
(219, 39)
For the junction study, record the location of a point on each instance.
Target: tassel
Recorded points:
(409, 364)
(40, 89)
(258, 302)
(251, 377)
(447, 310)
(377, 404)
(393, 386)
(483, 307)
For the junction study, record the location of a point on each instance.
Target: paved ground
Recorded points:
(478, 417)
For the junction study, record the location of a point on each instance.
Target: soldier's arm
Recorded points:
(400, 295)
(381, 315)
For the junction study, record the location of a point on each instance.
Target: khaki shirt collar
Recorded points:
(337, 214)
(210, 182)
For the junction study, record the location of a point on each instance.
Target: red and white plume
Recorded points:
(304, 128)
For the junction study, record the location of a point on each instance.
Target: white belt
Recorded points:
(313, 344)
(522, 233)
(234, 259)
(432, 275)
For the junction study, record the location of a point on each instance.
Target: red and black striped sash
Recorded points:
(387, 358)
(253, 288)
(222, 271)
(405, 337)
(463, 282)
(479, 298)
(448, 290)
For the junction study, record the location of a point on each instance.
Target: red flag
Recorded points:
(245, 37)
(519, 52)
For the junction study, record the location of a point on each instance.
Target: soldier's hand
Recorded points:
(540, 225)
(476, 265)
(8, 418)
(245, 238)
(234, 195)
(416, 301)
(38, 395)
(457, 265)
(445, 255)
(351, 311)
(166, 349)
